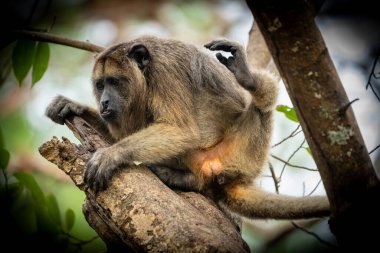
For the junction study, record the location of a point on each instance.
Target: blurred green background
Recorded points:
(351, 38)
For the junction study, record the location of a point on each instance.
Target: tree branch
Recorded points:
(46, 37)
(292, 165)
(291, 156)
(138, 212)
(314, 235)
(275, 178)
(291, 135)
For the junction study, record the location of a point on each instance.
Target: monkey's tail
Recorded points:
(252, 202)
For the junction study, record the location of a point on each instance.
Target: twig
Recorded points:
(372, 70)
(320, 180)
(277, 235)
(292, 165)
(374, 75)
(52, 24)
(313, 234)
(79, 242)
(378, 146)
(82, 242)
(291, 156)
(275, 179)
(34, 6)
(40, 36)
(344, 108)
(292, 134)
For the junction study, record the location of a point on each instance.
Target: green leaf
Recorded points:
(22, 58)
(41, 61)
(4, 158)
(53, 209)
(32, 186)
(309, 151)
(289, 112)
(69, 219)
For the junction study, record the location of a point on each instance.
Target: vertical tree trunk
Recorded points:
(321, 103)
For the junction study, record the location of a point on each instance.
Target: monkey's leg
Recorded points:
(259, 83)
(180, 179)
(252, 202)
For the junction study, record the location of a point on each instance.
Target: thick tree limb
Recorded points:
(138, 212)
(329, 125)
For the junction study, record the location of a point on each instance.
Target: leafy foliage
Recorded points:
(30, 54)
(308, 150)
(70, 219)
(53, 209)
(22, 58)
(32, 218)
(41, 61)
(289, 112)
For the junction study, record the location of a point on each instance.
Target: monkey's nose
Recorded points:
(105, 103)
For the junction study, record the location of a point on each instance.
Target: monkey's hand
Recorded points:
(237, 63)
(100, 168)
(62, 107)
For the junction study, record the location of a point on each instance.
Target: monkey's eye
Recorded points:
(99, 85)
(113, 81)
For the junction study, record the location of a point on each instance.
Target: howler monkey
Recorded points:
(198, 123)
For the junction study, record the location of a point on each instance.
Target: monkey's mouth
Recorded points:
(107, 114)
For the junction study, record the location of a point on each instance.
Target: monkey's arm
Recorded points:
(152, 145)
(61, 107)
(260, 83)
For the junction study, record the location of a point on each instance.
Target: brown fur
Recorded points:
(186, 111)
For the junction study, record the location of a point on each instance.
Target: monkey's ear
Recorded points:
(140, 54)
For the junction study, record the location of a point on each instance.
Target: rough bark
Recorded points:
(326, 117)
(138, 212)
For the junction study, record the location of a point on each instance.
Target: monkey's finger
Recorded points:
(57, 119)
(95, 186)
(64, 112)
(89, 174)
(221, 45)
(222, 59)
(230, 61)
(214, 42)
(55, 107)
(208, 45)
(101, 182)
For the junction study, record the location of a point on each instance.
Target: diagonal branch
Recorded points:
(292, 165)
(46, 37)
(131, 216)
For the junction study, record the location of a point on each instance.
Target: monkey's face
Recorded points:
(108, 90)
(120, 87)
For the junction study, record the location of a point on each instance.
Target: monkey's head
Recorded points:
(120, 87)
